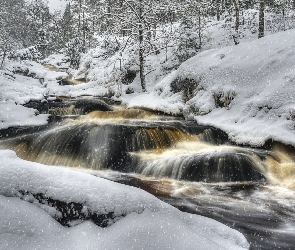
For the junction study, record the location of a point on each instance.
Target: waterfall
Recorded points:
(151, 144)
(198, 161)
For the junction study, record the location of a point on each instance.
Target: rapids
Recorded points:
(192, 167)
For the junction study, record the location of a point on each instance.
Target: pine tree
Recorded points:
(188, 40)
(73, 50)
(12, 27)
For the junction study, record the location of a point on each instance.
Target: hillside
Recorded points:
(246, 90)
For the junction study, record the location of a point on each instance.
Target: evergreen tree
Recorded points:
(12, 27)
(188, 40)
(66, 25)
(39, 20)
(73, 51)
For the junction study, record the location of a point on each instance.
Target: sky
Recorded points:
(57, 4)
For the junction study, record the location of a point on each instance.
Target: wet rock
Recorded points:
(88, 106)
(69, 213)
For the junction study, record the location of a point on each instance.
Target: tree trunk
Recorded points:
(79, 21)
(200, 30)
(284, 18)
(237, 23)
(141, 62)
(3, 59)
(84, 31)
(261, 19)
(218, 10)
(141, 49)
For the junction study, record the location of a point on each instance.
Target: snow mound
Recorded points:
(252, 87)
(245, 90)
(16, 115)
(161, 99)
(147, 223)
(19, 84)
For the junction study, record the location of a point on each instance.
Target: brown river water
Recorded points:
(194, 168)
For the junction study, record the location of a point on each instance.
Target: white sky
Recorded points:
(57, 4)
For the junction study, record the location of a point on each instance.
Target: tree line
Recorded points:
(28, 30)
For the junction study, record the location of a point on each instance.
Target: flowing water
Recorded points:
(192, 167)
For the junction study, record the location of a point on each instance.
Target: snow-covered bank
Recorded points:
(246, 90)
(21, 82)
(141, 220)
(17, 89)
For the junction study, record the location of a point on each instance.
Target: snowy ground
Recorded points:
(22, 82)
(141, 220)
(246, 90)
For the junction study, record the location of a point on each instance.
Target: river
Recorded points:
(194, 168)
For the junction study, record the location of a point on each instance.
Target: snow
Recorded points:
(16, 89)
(259, 78)
(55, 5)
(261, 75)
(245, 90)
(17, 115)
(148, 224)
(170, 105)
(21, 82)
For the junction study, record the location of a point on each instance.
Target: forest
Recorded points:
(134, 28)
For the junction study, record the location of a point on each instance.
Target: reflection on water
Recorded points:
(194, 168)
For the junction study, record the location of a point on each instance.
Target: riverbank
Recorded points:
(245, 90)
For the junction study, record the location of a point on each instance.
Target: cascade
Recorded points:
(151, 144)
(197, 161)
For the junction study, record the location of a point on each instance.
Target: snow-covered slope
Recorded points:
(17, 89)
(31, 194)
(21, 82)
(246, 90)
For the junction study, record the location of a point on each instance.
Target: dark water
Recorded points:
(192, 167)
(264, 213)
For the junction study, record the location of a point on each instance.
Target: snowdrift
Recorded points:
(31, 195)
(246, 90)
